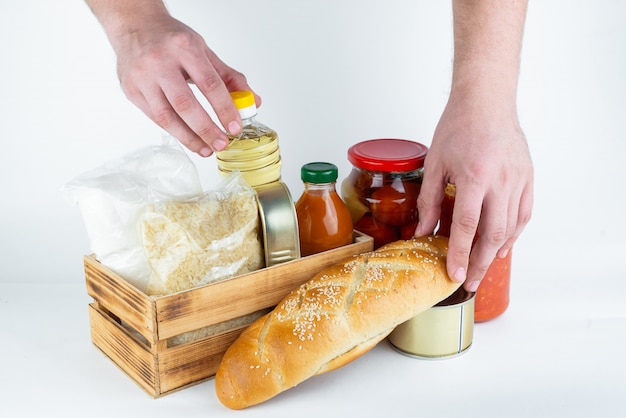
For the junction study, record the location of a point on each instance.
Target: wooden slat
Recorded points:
(242, 295)
(125, 301)
(195, 362)
(127, 352)
(160, 369)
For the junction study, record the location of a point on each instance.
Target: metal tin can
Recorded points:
(381, 190)
(279, 223)
(443, 331)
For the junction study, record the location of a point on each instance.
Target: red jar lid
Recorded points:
(389, 155)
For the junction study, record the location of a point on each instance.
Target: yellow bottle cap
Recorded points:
(242, 99)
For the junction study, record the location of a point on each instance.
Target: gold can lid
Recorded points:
(279, 223)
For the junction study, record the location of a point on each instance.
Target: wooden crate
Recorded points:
(136, 330)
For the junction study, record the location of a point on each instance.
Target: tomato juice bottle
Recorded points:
(324, 221)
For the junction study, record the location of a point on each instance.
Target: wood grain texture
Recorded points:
(133, 329)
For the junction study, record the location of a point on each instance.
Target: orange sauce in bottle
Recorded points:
(492, 296)
(324, 221)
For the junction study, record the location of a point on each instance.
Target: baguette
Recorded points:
(332, 319)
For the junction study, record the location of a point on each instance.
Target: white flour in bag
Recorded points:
(149, 221)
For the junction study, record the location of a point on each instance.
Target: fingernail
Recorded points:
(220, 144)
(503, 253)
(234, 128)
(418, 229)
(206, 152)
(472, 286)
(459, 275)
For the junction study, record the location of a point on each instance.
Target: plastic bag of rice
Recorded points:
(198, 241)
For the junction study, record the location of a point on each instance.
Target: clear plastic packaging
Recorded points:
(149, 220)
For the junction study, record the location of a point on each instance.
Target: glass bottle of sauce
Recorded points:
(324, 221)
(382, 188)
(254, 152)
(492, 296)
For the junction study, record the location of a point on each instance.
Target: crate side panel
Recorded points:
(242, 295)
(194, 362)
(131, 356)
(118, 296)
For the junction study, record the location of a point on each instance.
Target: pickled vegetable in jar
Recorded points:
(492, 296)
(381, 190)
(324, 221)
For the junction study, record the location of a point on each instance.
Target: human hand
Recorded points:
(479, 146)
(157, 60)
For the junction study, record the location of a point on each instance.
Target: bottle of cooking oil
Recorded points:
(254, 152)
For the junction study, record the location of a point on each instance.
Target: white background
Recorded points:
(331, 73)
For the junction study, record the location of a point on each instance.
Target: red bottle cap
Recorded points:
(389, 155)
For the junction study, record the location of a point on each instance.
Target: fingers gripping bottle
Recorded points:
(254, 152)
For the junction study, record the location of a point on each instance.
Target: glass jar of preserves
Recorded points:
(381, 190)
(492, 296)
(324, 221)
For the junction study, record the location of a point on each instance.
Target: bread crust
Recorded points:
(338, 315)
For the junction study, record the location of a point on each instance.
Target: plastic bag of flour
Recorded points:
(148, 220)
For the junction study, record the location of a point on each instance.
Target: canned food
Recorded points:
(279, 223)
(445, 330)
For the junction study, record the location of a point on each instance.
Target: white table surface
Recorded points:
(557, 352)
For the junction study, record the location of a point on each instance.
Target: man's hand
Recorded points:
(485, 154)
(157, 56)
(478, 144)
